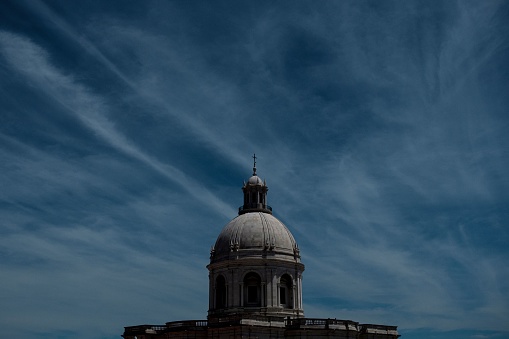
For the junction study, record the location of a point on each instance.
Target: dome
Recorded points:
(252, 234)
(255, 266)
(255, 180)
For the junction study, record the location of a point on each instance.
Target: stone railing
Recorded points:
(141, 329)
(322, 323)
(170, 326)
(187, 323)
(379, 329)
(291, 324)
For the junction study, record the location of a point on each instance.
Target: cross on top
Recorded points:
(254, 163)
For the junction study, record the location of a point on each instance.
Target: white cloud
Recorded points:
(32, 61)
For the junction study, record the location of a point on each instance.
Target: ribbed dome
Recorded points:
(251, 234)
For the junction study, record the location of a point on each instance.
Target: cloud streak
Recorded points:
(31, 61)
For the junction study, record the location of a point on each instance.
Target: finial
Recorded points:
(254, 163)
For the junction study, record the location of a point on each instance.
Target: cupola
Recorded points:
(255, 194)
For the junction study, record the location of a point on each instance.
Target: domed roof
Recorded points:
(250, 234)
(255, 180)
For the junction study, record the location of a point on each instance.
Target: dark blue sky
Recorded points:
(127, 128)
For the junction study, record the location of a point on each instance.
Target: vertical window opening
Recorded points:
(282, 295)
(285, 291)
(220, 292)
(252, 294)
(252, 290)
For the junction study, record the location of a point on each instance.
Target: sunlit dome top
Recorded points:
(253, 234)
(255, 180)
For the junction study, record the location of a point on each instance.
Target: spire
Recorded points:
(255, 194)
(254, 163)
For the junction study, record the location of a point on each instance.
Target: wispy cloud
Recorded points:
(32, 61)
(155, 86)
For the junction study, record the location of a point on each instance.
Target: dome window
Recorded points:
(221, 301)
(252, 287)
(285, 291)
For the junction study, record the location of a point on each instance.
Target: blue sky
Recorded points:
(127, 128)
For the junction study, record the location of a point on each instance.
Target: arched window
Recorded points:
(220, 292)
(253, 198)
(285, 291)
(252, 290)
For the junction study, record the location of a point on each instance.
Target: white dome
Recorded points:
(255, 180)
(251, 234)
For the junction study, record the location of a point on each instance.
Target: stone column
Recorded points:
(300, 291)
(227, 297)
(294, 297)
(241, 285)
(235, 293)
(263, 293)
(211, 292)
(278, 296)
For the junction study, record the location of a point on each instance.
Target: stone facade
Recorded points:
(255, 269)
(255, 285)
(262, 327)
